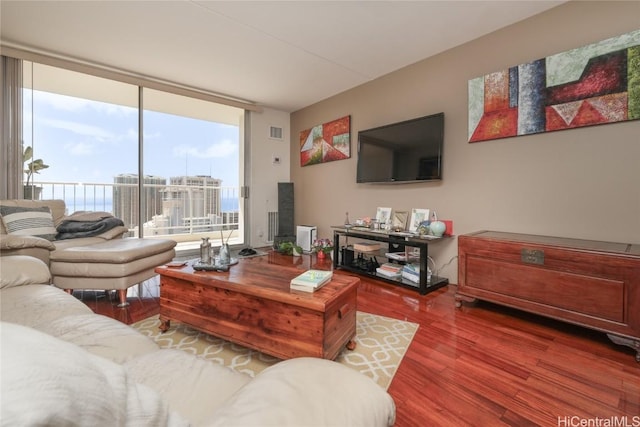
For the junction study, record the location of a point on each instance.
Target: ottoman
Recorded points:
(110, 265)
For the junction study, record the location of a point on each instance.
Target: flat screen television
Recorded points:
(409, 151)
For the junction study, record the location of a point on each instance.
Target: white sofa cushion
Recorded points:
(46, 381)
(307, 392)
(101, 335)
(194, 387)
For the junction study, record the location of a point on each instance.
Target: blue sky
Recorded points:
(87, 141)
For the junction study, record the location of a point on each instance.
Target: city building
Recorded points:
(125, 198)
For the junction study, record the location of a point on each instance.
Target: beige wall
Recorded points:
(263, 174)
(581, 183)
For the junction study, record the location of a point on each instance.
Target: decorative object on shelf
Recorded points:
(449, 227)
(437, 227)
(326, 142)
(581, 87)
(417, 217)
(423, 228)
(322, 247)
(383, 217)
(399, 221)
(363, 222)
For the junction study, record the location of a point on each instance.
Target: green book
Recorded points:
(311, 280)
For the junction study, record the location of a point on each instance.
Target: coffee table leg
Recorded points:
(164, 324)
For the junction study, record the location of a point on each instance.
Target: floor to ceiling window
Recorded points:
(192, 151)
(86, 130)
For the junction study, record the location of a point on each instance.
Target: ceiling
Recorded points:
(284, 55)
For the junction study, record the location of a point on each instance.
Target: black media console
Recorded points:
(346, 258)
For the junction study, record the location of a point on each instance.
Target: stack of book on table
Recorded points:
(311, 280)
(390, 270)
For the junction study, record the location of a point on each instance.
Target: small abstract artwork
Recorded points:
(591, 85)
(326, 142)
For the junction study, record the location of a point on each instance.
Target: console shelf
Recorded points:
(395, 242)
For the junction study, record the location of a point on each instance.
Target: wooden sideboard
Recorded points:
(589, 283)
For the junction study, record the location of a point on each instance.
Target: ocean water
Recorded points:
(106, 205)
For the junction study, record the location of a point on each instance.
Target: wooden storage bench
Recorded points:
(589, 283)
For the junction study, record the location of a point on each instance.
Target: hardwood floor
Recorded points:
(481, 365)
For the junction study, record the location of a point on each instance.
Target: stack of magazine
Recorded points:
(411, 272)
(390, 270)
(311, 280)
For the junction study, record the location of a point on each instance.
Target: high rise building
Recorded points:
(192, 203)
(125, 198)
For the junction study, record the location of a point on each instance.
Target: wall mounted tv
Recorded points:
(409, 151)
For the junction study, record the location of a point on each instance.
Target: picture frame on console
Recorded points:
(417, 216)
(399, 220)
(383, 215)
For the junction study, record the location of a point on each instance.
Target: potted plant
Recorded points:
(289, 248)
(322, 247)
(34, 166)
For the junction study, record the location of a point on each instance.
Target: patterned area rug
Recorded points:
(381, 343)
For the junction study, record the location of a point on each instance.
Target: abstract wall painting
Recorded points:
(326, 143)
(591, 85)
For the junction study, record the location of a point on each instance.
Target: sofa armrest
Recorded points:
(11, 245)
(13, 242)
(19, 270)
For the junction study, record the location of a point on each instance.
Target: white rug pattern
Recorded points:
(381, 343)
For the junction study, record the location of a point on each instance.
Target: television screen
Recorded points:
(409, 151)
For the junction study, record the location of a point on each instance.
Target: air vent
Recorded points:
(272, 225)
(275, 132)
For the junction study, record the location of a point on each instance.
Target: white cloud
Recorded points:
(79, 149)
(220, 149)
(79, 128)
(73, 104)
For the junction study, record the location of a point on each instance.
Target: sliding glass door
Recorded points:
(192, 154)
(85, 129)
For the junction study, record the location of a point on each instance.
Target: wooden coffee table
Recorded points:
(252, 305)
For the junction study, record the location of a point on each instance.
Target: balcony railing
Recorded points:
(182, 212)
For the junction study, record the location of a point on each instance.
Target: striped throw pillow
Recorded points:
(21, 221)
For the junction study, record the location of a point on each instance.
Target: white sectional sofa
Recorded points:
(104, 260)
(61, 364)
